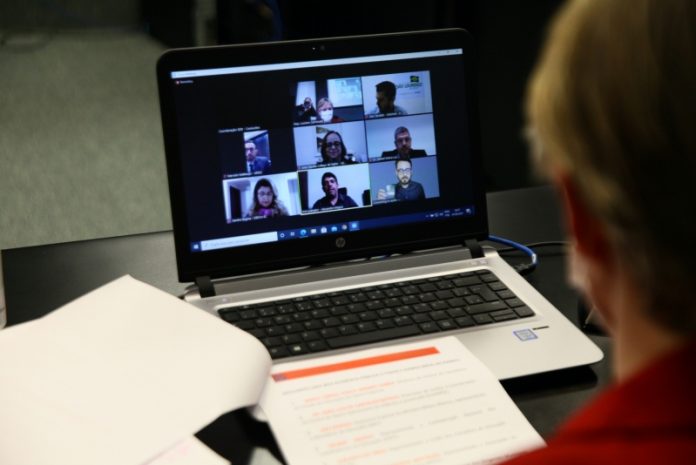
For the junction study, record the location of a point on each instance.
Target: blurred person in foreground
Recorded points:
(611, 109)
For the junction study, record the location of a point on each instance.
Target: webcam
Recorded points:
(318, 48)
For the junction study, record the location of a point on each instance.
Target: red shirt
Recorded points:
(650, 418)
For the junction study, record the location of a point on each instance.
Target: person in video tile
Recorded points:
(266, 202)
(385, 95)
(333, 150)
(305, 112)
(254, 162)
(406, 188)
(325, 109)
(333, 198)
(402, 141)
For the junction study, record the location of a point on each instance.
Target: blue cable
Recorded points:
(524, 268)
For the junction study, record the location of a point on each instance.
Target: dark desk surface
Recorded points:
(39, 279)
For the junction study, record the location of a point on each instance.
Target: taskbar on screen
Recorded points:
(329, 228)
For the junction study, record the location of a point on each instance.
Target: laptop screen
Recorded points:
(333, 147)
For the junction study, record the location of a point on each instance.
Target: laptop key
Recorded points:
(275, 331)
(357, 298)
(278, 352)
(245, 325)
(291, 338)
(429, 327)
(257, 333)
(456, 312)
(340, 310)
(444, 295)
(393, 292)
(266, 311)
(483, 319)
(310, 336)
(271, 341)
(229, 316)
(347, 329)
(366, 326)
(503, 315)
(402, 320)
(329, 332)
(486, 307)
(524, 311)
(446, 324)
(410, 290)
(489, 277)
(374, 336)
(313, 324)
(317, 346)
(506, 294)
(298, 349)
(465, 321)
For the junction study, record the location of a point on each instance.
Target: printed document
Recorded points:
(431, 402)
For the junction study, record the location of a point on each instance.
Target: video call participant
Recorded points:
(254, 162)
(305, 112)
(333, 198)
(402, 141)
(266, 202)
(385, 95)
(406, 188)
(325, 109)
(610, 109)
(333, 150)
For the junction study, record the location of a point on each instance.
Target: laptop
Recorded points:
(328, 195)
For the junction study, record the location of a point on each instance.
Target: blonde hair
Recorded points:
(612, 105)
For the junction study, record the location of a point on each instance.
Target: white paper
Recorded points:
(190, 451)
(118, 376)
(432, 403)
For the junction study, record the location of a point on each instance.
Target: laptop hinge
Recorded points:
(474, 247)
(205, 286)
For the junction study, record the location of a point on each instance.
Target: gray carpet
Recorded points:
(81, 153)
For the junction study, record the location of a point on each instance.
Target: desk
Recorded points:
(39, 279)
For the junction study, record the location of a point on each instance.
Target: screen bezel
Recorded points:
(316, 250)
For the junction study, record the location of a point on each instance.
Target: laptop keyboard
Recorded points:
(352, 317)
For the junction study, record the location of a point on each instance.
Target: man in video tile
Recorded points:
(402, 141)
(254, 163)
(406, 188)
(333, 198)
(385, 95)
(305, 112)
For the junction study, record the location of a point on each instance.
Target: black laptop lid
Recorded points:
(298, 153)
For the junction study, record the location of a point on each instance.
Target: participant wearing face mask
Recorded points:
(325, 109)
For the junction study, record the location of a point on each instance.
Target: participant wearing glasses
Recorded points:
(402, 141)
(406, 188)
(333, 150)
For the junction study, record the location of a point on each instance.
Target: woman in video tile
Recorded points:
(333, 150)
(326, 111)
(266, 202)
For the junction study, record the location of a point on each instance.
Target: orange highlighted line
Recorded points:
(362, 362)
